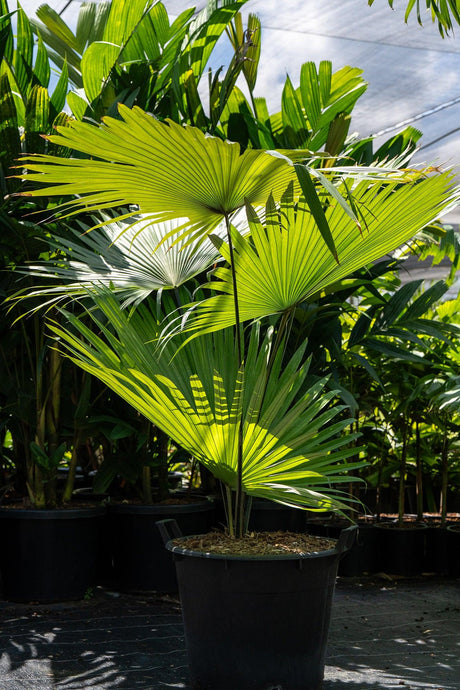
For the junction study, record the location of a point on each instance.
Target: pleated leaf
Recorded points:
(285, 263)
(291, 454)
(130, 258)
(135, 162)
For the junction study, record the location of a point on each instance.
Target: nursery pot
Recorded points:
(401, 550)
(453, 543)
(256, 623)
(49, 555)
(436, 549)
(268, 516)
(140, 561)
(362, 557)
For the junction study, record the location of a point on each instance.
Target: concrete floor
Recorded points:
(385, 635)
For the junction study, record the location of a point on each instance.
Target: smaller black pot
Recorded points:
(49, 555)
(140, 561)
(436, 550)
(321, 525)
(268, 516)
(401, 550)
(453, 545)
(361, 559)
(104, 570)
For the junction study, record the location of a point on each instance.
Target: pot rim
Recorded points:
(157, 509)
(47, 514)
(344, 543)
(180, 551)
(454, 527)
(388, 524)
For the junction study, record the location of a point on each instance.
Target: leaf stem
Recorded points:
(239, 502)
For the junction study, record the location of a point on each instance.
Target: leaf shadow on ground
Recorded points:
(383, 636)
(130, 641)
(394, 633)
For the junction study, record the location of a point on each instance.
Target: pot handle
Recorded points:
(347, 538)
(169, 529)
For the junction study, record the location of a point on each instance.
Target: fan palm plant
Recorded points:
(253, 417)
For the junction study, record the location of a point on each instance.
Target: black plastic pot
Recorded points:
(256, 623)
(361, 559)
(268, 516)
(320, 525)
(401, 550)
(140, 561)
(436, 550)
(85, 495)
(453, 543)
(49, 555)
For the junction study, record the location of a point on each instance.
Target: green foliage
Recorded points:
(130, 53)
(444, 12)
(241, 408)
(313, 224)
(199, 395)
(27, 109)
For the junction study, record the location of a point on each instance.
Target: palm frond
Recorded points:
(134, 161)
(286, 260)
(294, 450)
(113, 256)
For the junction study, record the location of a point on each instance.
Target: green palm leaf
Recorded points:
(134, 160)
(111, 256)
(287, 261)
(294, 451)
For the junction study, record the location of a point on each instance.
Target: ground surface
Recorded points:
(385, 634)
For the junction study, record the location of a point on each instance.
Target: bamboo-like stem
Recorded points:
(146, 473)
(78, 433)
(40, 404)
(70, 481)
(35, 479)
(53, 407)
(378, 493)
(147, 485)
(402, 472)
(419, 475)
(352, 490)
(444, 476)
(239, 502)
(53, 410)
(162, 447)
(229, 510)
